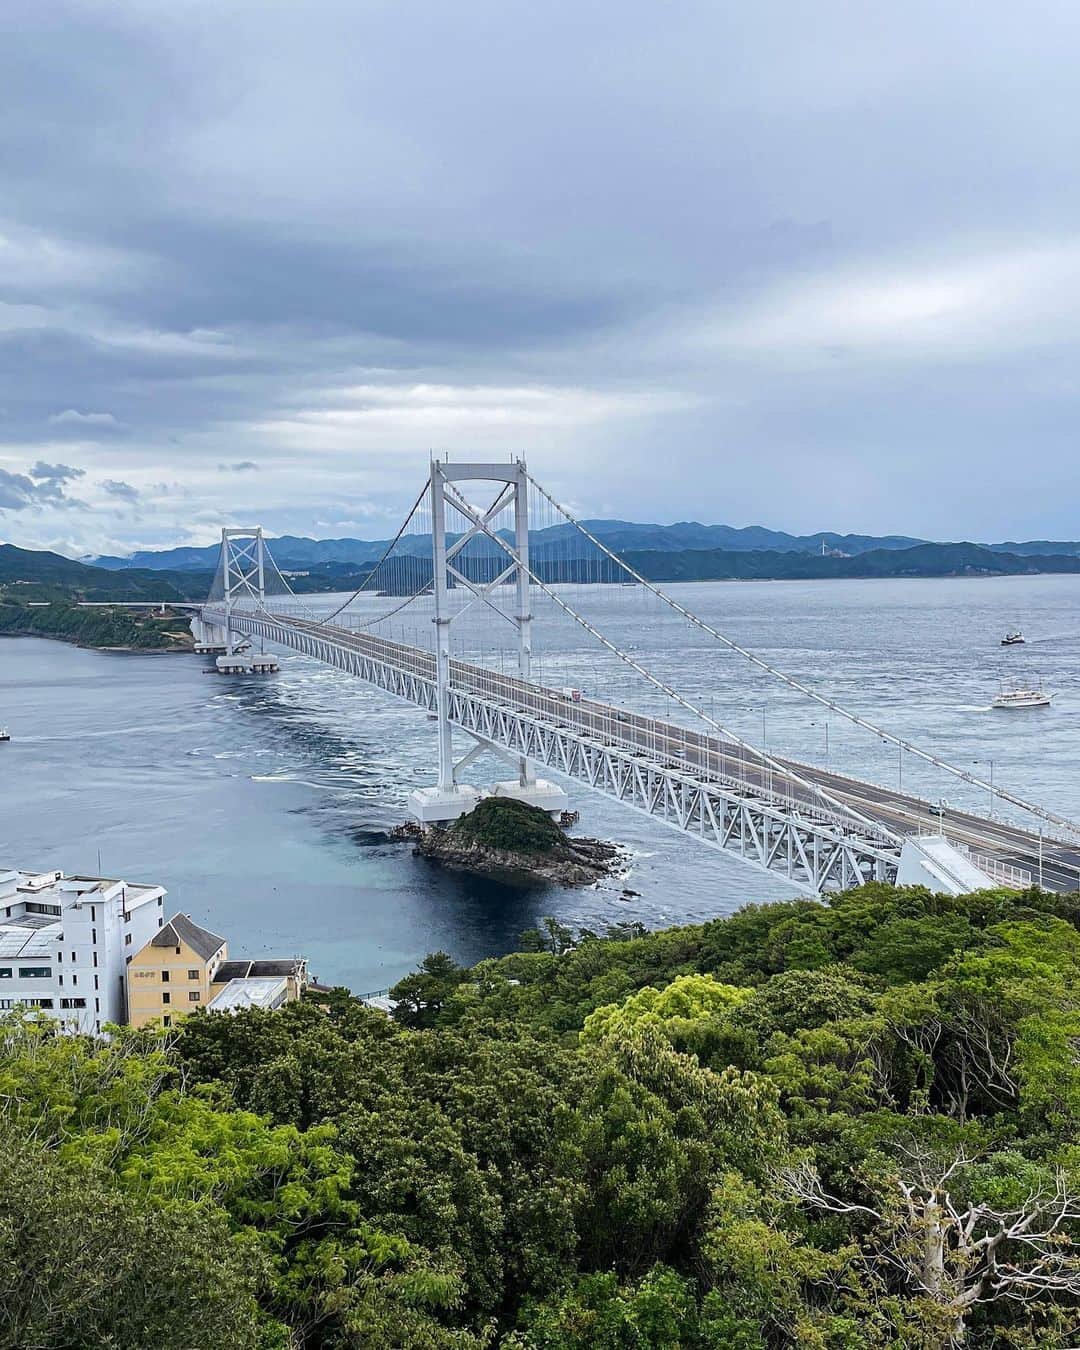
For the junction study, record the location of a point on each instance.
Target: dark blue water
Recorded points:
(263, 805)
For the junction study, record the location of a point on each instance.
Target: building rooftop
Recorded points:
(240, 970)
(250, 993)
(33, 936)
(181, 929)
(54, 888)
(380, 1002)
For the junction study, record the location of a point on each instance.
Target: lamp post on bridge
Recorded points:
(991, 764)
(1040, 855)
(899, 765)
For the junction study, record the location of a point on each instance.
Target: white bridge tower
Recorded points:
(452, 797)
(243, 566)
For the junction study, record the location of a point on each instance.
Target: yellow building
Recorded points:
(173, 973)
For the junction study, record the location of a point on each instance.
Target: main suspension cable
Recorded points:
(386, 553)
(973, 779)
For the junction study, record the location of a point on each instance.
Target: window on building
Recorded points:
(60, 979)
(73, 956)
(5, 972)
(97, 1005)
(74, 979)
(73, 1003)
(6, 1003)
(127, 939)
(194, 996)
(96, 985)
(59, 956)
(164, 977)
(38, 1002)
(193, 974)
(160, 921)
(166, 1021)
(93, 936)
(166, 997)
(34, 972)
(95, 960)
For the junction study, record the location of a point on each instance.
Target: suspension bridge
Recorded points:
(459, 571)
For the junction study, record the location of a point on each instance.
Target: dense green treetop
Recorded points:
(506, 823)
(828, 1125)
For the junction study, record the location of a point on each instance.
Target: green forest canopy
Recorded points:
(807, 1125)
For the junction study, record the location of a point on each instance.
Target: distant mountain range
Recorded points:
(343, 564)
(921, 560)
(335, 556)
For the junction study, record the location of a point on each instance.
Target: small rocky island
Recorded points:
(502, 837)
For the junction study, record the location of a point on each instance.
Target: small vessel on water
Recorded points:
(5, 735)
(1013, 639)
(1022, 698)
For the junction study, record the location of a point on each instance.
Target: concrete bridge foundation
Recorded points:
(210, 638)
(438, 806)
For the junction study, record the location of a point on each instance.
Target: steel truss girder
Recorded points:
(814, 855)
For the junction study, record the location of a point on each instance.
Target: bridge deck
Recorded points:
(714, 759)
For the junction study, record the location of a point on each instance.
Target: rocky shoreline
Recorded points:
(571, 862)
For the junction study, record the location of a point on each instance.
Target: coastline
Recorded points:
(70, 640)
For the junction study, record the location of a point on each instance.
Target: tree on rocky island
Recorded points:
(510, 825)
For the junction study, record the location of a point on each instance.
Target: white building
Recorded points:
(65, 943)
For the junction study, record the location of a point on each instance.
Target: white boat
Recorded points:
(1022, 698)
(1013, 639)
(5, 735)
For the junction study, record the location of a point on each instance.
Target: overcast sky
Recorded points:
(805, 263)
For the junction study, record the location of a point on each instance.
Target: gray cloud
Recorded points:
(118, 488)
(781, 264)
(18, 492)
(72, 417)
(57, 473)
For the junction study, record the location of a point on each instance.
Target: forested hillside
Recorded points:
(34, 569)
(840, 1125)
(104, 628)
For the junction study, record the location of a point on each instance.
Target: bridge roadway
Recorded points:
(713, 759)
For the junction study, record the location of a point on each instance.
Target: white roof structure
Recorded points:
(931, 860)
(31, 936)
(267, 992)
(380, 1002)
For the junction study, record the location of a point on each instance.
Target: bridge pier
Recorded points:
(210, 638)
(245, 663)
(440, 805)
(537, 792)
